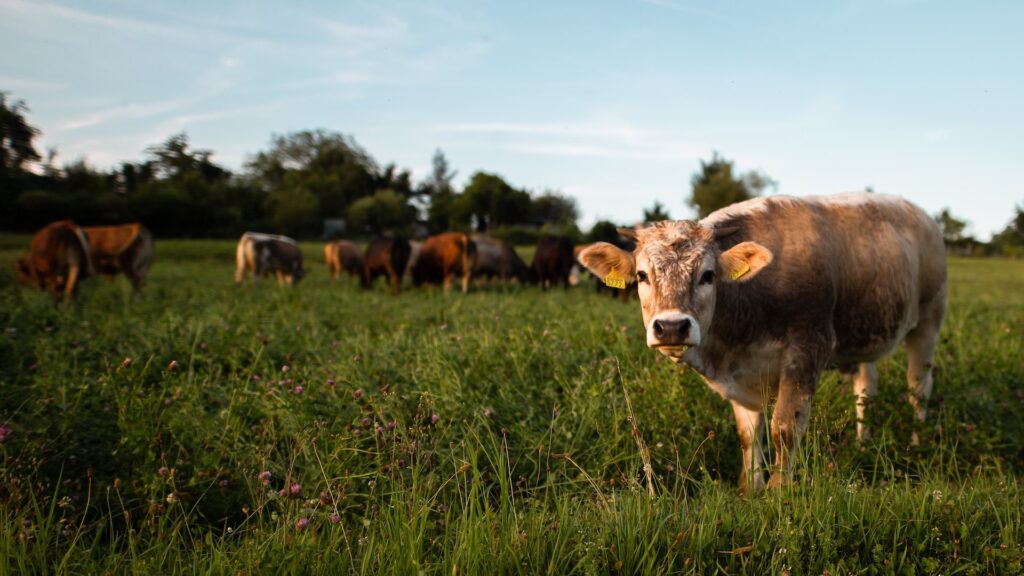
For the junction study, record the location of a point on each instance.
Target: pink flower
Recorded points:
(390, 425)
(434, 419)
(295, 489)
(162, 471)
(285, 368)
(357, 393)
(5, 431)
(334, 518)
(301, 524)
(264, 477)
(298, 389)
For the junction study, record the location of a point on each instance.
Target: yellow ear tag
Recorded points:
(614, 280)
(740, 272)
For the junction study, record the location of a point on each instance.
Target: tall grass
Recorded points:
(218, 428)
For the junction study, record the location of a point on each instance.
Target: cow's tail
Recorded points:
(144, 255)
(83, 244)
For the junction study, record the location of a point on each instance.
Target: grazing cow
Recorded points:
(344, 256)
(386, 256)
(58, 258)
(444, 256)
(497, 258)
(260, 254)
(764, 295)
(127, 248)
(553, 261)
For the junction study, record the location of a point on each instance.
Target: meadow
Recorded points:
(215, 428)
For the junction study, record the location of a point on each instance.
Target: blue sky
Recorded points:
(613, 102)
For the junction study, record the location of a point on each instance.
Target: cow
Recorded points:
(58, 259)
(552, 261)
(260, 254)
(444, 256)
(764, 295)
(497, 258)
(344, 256)
(386, 256)
(126, 248)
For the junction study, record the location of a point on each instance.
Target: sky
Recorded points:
(614, 102)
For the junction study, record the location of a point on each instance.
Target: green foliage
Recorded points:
(16, 136)
(385, 211)
(552, 207)
(490, 202)
(657, 213)
(530, 464)
(603, 231)
(951, 226)
(716, 186)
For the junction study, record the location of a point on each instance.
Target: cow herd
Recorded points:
(441, 260)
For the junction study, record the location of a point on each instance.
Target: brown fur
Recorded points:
(344, 256)
(58, 259)
(497, 259)
(819, 282)
(386, 256)
(444, 256)
(553, 261)
(126, 249)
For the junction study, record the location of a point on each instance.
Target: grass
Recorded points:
(451, 434)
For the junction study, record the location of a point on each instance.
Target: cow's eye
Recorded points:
(707, 277)
(641, 276)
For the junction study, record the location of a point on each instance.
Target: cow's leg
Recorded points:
(800, 374)
(447, 283)
(465, 282)
(750, 427)
(396, 282)
(865, 385)
(920, 343)
(71, 282)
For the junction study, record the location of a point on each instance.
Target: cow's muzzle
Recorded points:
(671, 331)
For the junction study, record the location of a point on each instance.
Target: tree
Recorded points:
(488, 202)
(385, 211)
(436, 195)
(1011, 239)
(657, 213)
(603, 231)
(553, 207)
(16, 135)
(952, 227)
(716, 186)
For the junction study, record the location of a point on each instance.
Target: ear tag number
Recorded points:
(741, 272)
(615, 280)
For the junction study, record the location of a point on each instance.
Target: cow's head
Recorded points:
(678, 267)
(26, 274)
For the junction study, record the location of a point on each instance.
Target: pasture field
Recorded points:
(214, 428)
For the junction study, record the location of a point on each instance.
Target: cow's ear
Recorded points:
(743, 261)
(601, 258)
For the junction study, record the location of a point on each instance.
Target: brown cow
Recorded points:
(762, 296)
(127, 248)
(386, 256)
(553, 261)
(444, 256)
(343, 256)
(259, 254)
(58, 259)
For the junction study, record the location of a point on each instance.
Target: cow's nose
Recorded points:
(672, 331)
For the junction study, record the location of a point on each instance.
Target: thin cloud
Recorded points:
(15, 83)
(127, 112)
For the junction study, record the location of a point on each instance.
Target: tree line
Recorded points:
(321, 184)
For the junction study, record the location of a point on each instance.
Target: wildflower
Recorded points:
(488, 412)
(355, 358)
(162, 471)
(172, 498)
(301, 524)
(225, 483)
(434, 418)
(365, 422)
(390, 425)
(172, 366)
(126, 362)
(331, 383)
(298, 389)
(334, 518)
(295, 489)
(256, 378)
(5, 431)
(357, 393)
(264, 477)
(286, 368)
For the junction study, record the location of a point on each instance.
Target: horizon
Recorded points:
(615, 106)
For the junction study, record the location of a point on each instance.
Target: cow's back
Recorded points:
(859, 264)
